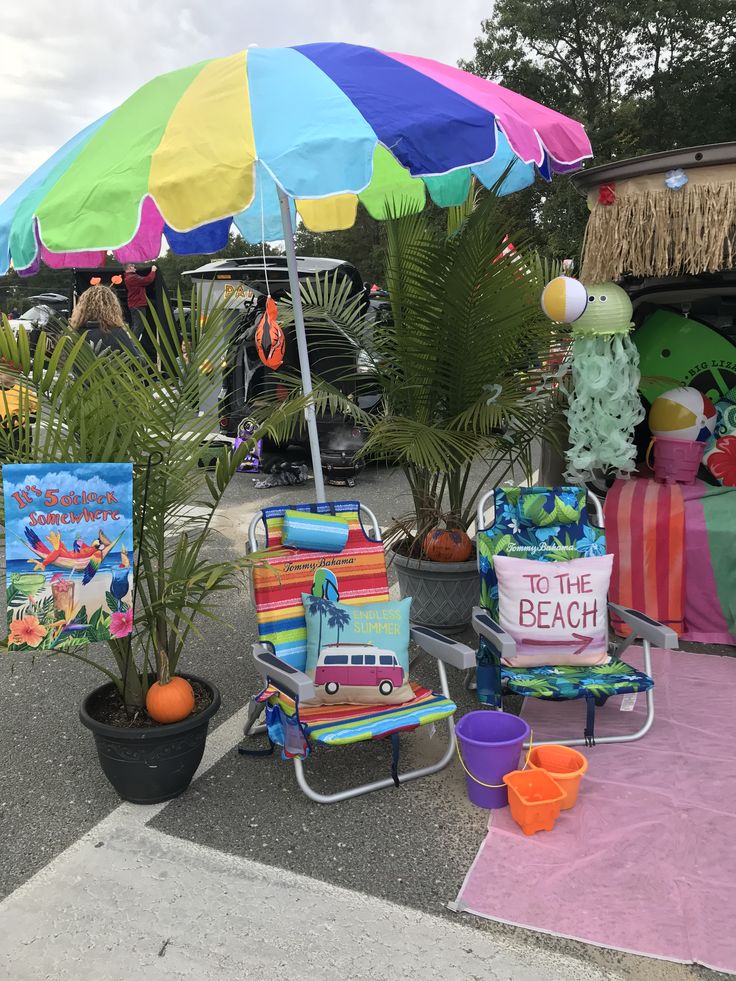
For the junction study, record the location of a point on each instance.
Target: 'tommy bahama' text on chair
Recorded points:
(552, 524)
(279, 580)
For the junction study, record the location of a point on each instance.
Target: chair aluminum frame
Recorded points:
(643, 628)
(297, 684)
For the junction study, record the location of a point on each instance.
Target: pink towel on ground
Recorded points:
(645, 862)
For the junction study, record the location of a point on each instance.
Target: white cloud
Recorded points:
(64, 65)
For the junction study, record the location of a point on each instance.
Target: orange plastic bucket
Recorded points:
(565, 765)
(534, 799)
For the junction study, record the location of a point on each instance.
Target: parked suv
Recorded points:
(245, 283)
(692, 338)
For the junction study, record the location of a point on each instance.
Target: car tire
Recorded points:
(385, 687)
(332, 687)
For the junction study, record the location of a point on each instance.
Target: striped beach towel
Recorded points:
(645, 530)
(357, 574)
(339, 725)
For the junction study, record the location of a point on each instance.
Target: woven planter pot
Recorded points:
(443, 593)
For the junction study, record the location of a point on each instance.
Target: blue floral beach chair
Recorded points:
(551, 524)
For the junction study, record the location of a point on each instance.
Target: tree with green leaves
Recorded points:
(77, 405)
(361, 245)
(459, 364)
(174, 266)
(642, 77)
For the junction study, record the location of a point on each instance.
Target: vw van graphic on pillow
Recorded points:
(358, 653)
(358, 664)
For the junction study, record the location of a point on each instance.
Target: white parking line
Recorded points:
(126, 899)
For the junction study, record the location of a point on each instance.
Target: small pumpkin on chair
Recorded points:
(447, 545)
(169, 699)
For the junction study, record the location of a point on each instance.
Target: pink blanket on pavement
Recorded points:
(646, 860)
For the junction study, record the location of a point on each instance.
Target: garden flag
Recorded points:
(68, 554)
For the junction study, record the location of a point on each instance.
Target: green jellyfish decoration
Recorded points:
(603, 398)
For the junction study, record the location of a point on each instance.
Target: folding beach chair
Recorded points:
(551, 524)
(280, 654)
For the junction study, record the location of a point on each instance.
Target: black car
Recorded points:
(246, 284)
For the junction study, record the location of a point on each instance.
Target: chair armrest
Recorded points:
(296, 684)
(452, 652)
(485, 626)
(646, 628)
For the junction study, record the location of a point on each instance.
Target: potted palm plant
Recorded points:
(93, 408)
(460, 366)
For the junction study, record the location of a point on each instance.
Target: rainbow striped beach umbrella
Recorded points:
(249, 139)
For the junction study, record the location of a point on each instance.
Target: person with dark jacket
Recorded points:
(136, 285)
(99, 316)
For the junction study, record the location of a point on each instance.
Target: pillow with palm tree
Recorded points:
(358, 653)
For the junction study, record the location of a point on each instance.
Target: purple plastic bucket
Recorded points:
(490, 744)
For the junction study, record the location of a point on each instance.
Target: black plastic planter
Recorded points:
(148, 766)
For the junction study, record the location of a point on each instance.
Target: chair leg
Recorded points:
(367, 788)
(255, 710)
(629, 737)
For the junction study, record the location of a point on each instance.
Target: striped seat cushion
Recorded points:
(357, 574)
(339, 725)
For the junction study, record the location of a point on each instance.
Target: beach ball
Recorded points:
(683, 413)
(608, 310)
(564, 299)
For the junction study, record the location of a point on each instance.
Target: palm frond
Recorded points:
(461, 362)
(112, 408)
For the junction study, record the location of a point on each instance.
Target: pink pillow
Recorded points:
(557, 612)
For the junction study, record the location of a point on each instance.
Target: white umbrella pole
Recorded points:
(301, 343)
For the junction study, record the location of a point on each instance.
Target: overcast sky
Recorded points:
(64, 63)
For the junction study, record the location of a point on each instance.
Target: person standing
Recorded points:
(99, 316)
(136, 285)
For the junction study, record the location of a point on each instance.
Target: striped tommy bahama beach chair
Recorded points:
(280, 654)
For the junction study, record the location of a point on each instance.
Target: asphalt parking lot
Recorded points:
(411, 846)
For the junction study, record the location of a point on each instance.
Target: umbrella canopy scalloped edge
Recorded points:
(200, 149)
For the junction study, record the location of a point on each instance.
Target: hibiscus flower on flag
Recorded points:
(28, 631)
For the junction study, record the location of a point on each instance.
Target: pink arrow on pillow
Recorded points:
(585, 643)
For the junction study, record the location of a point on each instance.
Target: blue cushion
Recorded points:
(314, 532)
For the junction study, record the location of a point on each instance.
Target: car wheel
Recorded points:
(331, 687)
(385, 687)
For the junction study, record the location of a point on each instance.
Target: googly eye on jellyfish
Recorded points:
(603, 397)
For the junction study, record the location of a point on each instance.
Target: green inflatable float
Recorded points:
(675, 350)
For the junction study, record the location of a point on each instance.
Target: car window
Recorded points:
(36, 314)
(370, 658)
(356, 659)
(336, 659)
(386, 659)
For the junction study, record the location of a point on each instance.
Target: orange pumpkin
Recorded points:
(171, 702)
(444, 545)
